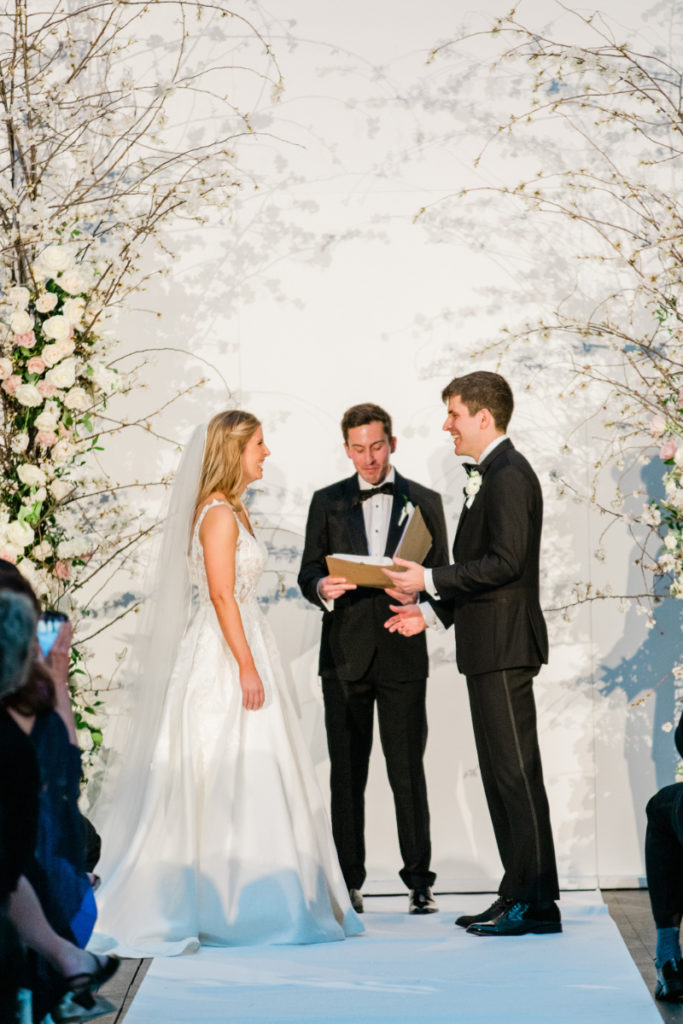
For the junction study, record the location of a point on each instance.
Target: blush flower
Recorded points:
(668, 449)
(27, 340)
(46, 390)
(11, 383)
(657, 425)
(35, 365)
(62, 570)
(46, 438)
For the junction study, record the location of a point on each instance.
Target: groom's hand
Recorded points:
(408, 620)
(332, 587)
(396, 595)
(409, 582)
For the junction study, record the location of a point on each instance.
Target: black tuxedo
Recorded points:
(362, 663)
(491, 593)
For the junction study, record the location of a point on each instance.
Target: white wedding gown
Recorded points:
(234, 845)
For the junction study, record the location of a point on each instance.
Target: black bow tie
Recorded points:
(370, 492)
(470, 467)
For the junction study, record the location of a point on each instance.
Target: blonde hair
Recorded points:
(227, 436)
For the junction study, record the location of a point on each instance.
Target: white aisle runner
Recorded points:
(410, 970)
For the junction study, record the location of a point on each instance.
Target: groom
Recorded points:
(361, 664)
(491, 593)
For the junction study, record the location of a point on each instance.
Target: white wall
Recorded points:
(319, 292)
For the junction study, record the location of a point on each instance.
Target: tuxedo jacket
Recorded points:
(491, 593)
(353, 633)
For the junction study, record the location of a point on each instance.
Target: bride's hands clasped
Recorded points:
(253, 694)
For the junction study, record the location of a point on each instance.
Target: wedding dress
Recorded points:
(233, 844)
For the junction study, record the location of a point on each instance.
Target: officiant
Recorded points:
(361, 663)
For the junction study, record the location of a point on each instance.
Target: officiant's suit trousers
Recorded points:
(362, 665)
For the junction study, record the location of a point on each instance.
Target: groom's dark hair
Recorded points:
(483, 390)
(360, 415)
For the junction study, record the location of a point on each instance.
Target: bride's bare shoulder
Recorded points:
(223, 513)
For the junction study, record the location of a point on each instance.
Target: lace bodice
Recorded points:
(250, 560)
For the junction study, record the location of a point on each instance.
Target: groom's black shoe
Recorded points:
(670, 981)
(521, 919)
(421, 901)
(356, 900)
(500, 904)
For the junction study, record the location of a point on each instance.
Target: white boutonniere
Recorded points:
(472, 487)
(408, 509)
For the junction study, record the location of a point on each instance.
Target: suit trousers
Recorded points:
(402, 717)
(664, 855)
(504, 721)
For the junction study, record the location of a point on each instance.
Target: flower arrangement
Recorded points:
(92, 168)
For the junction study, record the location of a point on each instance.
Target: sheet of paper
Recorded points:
(365, 571)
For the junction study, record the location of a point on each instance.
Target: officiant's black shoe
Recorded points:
(521, 919)
(356, 900)
(421, 901)
(497, 907)
(669, 987)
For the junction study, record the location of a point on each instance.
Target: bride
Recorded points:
(216, 832)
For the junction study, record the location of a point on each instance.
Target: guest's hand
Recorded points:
(332, 587)
(410, 581)
(396, 595)
(408, 620)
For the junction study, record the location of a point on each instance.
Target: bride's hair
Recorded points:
(227, 436)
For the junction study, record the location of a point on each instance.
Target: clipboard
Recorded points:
(365, 571)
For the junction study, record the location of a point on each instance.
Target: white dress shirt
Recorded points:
(377, 517)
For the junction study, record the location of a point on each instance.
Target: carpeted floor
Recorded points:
(405, 970)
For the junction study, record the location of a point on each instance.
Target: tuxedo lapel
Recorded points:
(355, 520)
(395, 530)
(481, 469)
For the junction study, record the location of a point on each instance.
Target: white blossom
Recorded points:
(21, 322)
(57, 328)
(77, 399)
(19, 297)
(31, 475)
(63, 374)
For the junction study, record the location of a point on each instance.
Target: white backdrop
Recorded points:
(320, 291)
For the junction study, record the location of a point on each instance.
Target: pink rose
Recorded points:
(25, 340)
(8, 556)
(46, 390)
(657, 425)
(11, 383)
(668, 449)
(47, 438)
(35, 365)
(62, 570)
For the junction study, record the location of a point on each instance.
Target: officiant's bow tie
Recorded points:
(370, 492)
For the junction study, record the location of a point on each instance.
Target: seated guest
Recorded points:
(664, 866)
(52, 862)
(19, 787)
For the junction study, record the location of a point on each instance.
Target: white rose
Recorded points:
(63, 375)
(19, 534)
(77, 399)
(19, 297)
(21, 322)
(678, 457)
(19, 443)
(42, 551)
(27, 394)
(56, 259)
(5, 368)
(60, 488)
(73, 310)
(46, 420)
(46, 302)
(72, 282)
(30, 475)
(57, 328)
(62, 452)
(52, 354)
